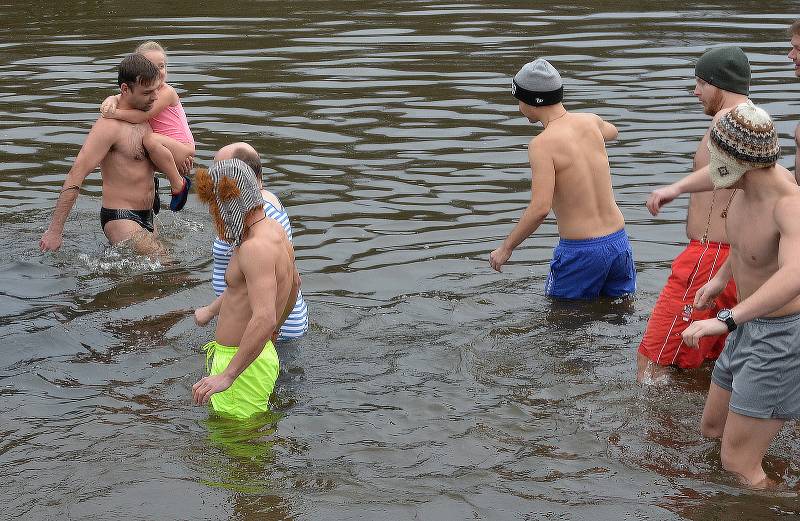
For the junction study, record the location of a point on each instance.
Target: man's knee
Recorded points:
(711, 428)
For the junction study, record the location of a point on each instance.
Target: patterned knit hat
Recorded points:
(741, 140)
(538, 84)
(230, 190)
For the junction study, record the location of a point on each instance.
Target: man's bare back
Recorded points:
(583, 199)
(570, 175)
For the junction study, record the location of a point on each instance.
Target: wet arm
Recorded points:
(784, 285)
(543, 180)
(215, 306)
(697, 181)
(140, 116)
(258, 268)
(97, 145)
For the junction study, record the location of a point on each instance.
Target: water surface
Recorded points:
(429, 386)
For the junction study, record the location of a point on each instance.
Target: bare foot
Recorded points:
(202, 316)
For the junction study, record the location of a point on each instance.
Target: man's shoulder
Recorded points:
(787, 206)
(264, 240)
(110, 126)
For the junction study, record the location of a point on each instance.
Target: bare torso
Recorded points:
(706, 208)
(127, 171)
(583, 199)
(754, 237)
(236, 311)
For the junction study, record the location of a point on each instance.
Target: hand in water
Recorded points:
(50, 241)
(499, 257)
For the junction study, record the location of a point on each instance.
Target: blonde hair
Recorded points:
(150, 45)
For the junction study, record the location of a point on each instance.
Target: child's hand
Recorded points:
(108, 107)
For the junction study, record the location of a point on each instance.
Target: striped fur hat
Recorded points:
(741, 140)
(230, 190)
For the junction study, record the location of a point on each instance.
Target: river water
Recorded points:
(429, 387)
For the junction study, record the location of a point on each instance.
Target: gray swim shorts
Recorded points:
(760, 366)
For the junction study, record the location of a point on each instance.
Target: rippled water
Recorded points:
(429, 386)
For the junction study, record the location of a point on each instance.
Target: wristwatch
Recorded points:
(726, 315)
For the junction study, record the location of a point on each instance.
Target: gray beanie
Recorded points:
(726, 68)
(538, 84)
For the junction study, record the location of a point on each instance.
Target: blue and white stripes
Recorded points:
(296, 324)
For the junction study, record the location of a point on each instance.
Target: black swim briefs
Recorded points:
(143, 218)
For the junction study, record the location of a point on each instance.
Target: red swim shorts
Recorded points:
(673, 312)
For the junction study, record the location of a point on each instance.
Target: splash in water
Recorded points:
(119, 258)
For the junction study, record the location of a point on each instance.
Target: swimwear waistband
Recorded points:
(777, 320)
(213, 346)
(594, 240)
(710, 244)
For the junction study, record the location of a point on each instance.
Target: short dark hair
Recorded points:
(136, 69)
(250, 158)
(794, 29)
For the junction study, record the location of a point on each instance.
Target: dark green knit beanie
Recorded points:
(725, 67)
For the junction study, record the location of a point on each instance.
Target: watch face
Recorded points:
(724, 314)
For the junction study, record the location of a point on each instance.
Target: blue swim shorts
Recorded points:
(588, 268)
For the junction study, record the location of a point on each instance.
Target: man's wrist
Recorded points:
(228, 375)
(726, 316)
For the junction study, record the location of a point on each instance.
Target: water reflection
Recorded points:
(388, 131)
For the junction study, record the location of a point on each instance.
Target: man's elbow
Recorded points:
(539, 213)
(263, 322)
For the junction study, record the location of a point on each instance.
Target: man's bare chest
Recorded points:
(234, 278)
(129, 145)
(752, 234)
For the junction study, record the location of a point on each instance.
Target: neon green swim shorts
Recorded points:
(249, 393)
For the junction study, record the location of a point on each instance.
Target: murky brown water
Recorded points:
(429, 386)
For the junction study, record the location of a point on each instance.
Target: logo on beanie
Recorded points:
(539, 100)
(513, 89)
(723, 171)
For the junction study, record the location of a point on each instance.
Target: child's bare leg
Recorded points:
(167, 153)
(161, 156)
